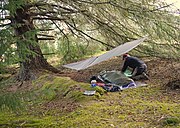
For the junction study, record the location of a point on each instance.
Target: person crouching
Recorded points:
(139, 68)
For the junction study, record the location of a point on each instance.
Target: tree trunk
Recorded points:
(28, 61)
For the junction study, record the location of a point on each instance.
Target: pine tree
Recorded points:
(114, 21)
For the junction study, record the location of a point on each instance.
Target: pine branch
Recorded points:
(78, 30)
(6, 18)
(36, 4)
(45, 29)
(48, 53)
(68, 46)
(45, 35)
(157, 9)
(48, 18)
(64, 8)
(109, 28)
(43, 13)
(119, 6)
(46, 38)
(3, 25)
(60, 30)
(95, 3)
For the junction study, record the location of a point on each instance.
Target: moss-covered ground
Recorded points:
(59, 102)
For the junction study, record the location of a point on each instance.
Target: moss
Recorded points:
(139, 107)
(11, 101)
(53, 87)
(65, 87)
(170, 121)
(5, 83)
(25, 121)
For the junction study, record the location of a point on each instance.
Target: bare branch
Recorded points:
(45, 38)
(48, 18)
(161, 7)
(91, 2)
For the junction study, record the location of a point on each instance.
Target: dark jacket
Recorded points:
(133, 63)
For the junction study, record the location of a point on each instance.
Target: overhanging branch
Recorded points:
(45, 29)
(46, 38)
(48, 18)
(89, 36)
(3, 25)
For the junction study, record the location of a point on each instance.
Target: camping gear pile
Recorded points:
(112, 81)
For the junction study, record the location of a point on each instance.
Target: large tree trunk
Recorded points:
(29, 61)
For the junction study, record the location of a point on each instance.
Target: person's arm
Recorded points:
(134, 72)
(124, 67)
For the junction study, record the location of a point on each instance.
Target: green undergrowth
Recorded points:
(143, 107)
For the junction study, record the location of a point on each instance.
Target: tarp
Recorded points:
(121, 49)
(114, 77)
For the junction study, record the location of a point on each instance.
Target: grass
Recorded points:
(143, 107)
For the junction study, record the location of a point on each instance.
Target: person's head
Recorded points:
(125, 56)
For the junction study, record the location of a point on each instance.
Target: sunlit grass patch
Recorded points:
(125, 109)
(25, 120)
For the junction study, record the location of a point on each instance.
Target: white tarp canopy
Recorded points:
(120, 50)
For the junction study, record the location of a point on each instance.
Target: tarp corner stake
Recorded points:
(119, 50)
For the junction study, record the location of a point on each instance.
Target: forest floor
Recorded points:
(160, 71)
(59, 101)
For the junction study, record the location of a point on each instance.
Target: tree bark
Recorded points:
(29, 62)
